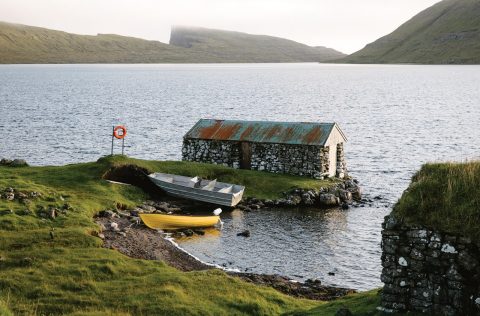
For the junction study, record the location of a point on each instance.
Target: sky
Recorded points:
(346, 25)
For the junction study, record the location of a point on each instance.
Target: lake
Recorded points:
(396, 118)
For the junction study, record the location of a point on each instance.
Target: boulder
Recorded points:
(19, 163)
(328, 199)
(188, 232)
(245, 233)
(5, 162)
(345, 196)
(114, 226)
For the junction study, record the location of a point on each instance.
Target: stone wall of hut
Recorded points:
(211, 151)
(302, 160)
(428, 271)
(341, 171)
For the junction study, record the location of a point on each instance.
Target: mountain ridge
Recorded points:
(446, 33)
(30, 44)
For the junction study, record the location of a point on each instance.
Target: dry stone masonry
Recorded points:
(314, 150)
(210, 151)
(429, 271)
(301, 160)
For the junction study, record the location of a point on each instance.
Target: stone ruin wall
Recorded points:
(429, 271)
(276, 158)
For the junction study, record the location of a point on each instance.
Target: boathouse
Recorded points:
(306, 149)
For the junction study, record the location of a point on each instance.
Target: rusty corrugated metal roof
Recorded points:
(295, 133)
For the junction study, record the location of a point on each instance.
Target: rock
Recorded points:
(10, 196)
(5, 161)
(343, 312)
(345, 206)
(114, 226)
(34, 194)
(19, 163)
(148, 208)
(21, 195)
(356, 193)
(199, 232)
(124, 234)
(135, 220)
(402, 261)
(307, 199)
(313, 283)
(391, 222)
(328, 199)
(188, 232)
(245, 233)
(448, 248)
(331, 273)
(107, 214)
(345, 196)
(101, 236)
(52, 213)
(9, 190)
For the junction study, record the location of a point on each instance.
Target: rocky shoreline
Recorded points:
(122, 231)
(341, 194)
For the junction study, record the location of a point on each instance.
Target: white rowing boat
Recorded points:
(209, 191)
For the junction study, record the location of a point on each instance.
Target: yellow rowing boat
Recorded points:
(163, 221)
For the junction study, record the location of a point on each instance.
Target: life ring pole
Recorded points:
(113, 138)
(115, 134)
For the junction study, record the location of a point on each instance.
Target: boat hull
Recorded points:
(163, 221)
(217, 198)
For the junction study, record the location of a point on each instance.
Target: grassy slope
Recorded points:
(27, 44)
(73, 274)
(361, 304)
(242, 47)
(447, 32)
(445, 196)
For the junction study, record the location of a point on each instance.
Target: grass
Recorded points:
(446, 33)
(444, 196)
(262, 185)
(73, 274)
(27, 45)
(361, 304)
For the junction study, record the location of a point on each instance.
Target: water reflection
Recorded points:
(395, 117)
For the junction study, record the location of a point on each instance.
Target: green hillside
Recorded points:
(27, 44)
(54, 265)
(243, 47)
(446, 33)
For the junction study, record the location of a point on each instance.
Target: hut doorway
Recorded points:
(246, 155)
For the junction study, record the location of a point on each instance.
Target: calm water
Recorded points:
(396, 118)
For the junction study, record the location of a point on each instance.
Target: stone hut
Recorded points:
(306, 149)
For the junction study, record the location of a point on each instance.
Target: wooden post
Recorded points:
(113, 130)
(123, 145)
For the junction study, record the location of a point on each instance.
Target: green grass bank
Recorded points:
(71, 274)
(444, 196)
